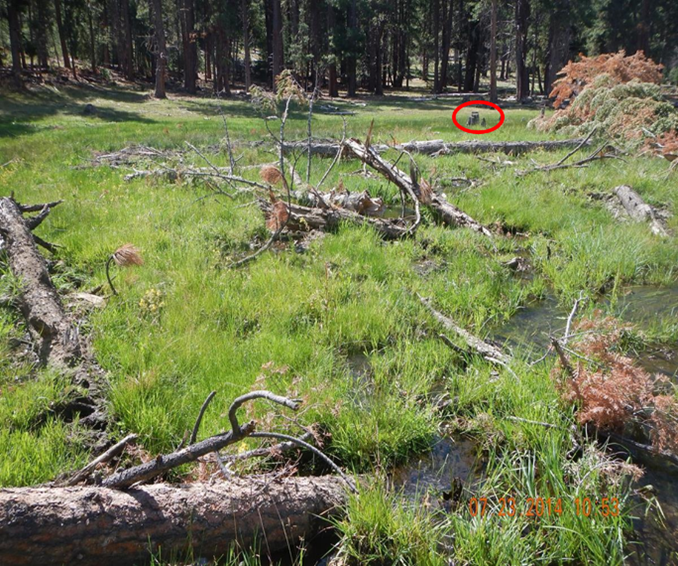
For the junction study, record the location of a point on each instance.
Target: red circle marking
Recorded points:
(484, 103)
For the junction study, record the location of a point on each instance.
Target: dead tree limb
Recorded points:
(639, 211)
(107, 456)
(100, 527)
(449, 213)
(305, 219)
(485, 350)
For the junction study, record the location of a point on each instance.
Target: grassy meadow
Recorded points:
(185, 324)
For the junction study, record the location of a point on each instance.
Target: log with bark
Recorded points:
(57, 340)
(99, 526)
(419, 192)
(55, 335)
(440, 147)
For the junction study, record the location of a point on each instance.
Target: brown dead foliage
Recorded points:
(615, 393)
(576, 75)
(127, 255)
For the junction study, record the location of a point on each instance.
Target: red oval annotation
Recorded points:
(482, 103)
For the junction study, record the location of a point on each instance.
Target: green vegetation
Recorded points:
(184, 324)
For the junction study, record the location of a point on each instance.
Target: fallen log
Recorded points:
(322, 148)
(440, 147)
(305, 219)
(54, 333)
(99, 526)
(56, 337)
(639, 211)
(419, 192)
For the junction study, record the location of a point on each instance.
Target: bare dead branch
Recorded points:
(107, 456)
(310, 447)
(261, 394)
(196, 426)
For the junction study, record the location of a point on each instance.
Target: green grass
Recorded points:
(292, 322)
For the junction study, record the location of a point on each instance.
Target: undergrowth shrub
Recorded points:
(614, 393)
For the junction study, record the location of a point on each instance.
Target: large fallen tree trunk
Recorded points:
(440, 147)
(305, 219)
(55, 334)
(409, 185)
(99, 526)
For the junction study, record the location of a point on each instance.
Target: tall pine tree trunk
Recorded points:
(43, 27)
(351, 70)
(92, 45)
(522, 72)
(14, 35)
(160, 49)
(126, 48)
(190, 46)
(493, 53)
(278, 60)
(245, 15)
(446, 42)
(62, 33)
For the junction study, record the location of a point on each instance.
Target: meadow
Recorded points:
(184, 323)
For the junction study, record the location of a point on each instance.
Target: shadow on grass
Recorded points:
(19, 109)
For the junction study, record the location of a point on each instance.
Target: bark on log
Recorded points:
(430, 147)
(99, 526)
(305, 219)
(638, 210)
(513, 148)
(55, 334)
(58, 342)
(449, 213)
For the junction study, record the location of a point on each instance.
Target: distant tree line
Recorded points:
(335, 44)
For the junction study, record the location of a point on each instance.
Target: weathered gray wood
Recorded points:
(638, 210)
(100, 527)
(429, 147)
(487, 351)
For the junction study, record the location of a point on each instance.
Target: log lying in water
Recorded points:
(638, 210)
(99, 526)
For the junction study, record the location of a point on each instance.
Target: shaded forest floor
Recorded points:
(339, 325)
